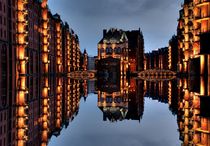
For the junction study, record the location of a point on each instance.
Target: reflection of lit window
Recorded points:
(118, 100)
(109, 99)
(118, 50)
(101, 99)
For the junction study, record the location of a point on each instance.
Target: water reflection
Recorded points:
(123, 100)
(118, 99)
(194, 111)
(163, 91)
(43, 114)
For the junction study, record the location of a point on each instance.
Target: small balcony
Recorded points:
(202, 3)
(202, 18)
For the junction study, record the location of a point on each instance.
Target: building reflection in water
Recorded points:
(120, 99)
(44, 117)
(194, 111)
(164, 92)
(189, 99)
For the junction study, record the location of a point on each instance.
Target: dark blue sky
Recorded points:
(88, 18)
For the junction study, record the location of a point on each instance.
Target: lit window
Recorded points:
(109, 50)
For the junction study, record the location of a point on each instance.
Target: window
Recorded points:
(5, 33)
(13, 13)
(31, 63)
(0, 6)
(1, 33)
(101, 50)
(5, 21)
(4, 75)
(108, 50)
(13, 3)
(14, 26)
(4, 8)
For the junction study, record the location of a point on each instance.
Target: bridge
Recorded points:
(148, 75)
(156, 75)
(84, 75)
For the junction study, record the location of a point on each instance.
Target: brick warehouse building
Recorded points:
(193, 34)
(194, 61)
(34, 42)
(127, 47)
(157, 59)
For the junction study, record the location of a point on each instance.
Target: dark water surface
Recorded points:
(128, 113)
(158, 127)
(105, 112)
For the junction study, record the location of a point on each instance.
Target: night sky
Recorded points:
(156, 18)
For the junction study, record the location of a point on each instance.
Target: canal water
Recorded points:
(106, 112)
(128, 113)
(157, 127)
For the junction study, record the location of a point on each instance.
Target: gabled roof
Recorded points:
(114, 36)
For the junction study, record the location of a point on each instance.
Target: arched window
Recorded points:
(109, 50)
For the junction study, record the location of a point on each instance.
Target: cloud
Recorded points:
(157, 18)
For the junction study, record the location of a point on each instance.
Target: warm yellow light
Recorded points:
(20, 143)
(45, 25)
(58, 103)
(21, 134)
(20, 5)
(202, 64)
(21, 27)
(44, 14)
(45, 110)
(202, 86)
(45, 58)
(45, 102)
(21, 111)
(44, 135)
(58, 123)
(21, 98)
(21, 39)
(45, 125)
(20, 16)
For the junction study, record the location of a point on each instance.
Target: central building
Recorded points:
(113, 53)
(120, 51)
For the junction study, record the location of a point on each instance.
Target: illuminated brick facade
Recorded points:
(193, 35)
(35, 46)
(157, 59)
(114, 44)
(125, 46)
(84, 61)
(193, 39)
(173, 53)
(193, 111)
(121, 102)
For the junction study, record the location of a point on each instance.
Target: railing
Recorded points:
(82, 74)
(156, 75)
